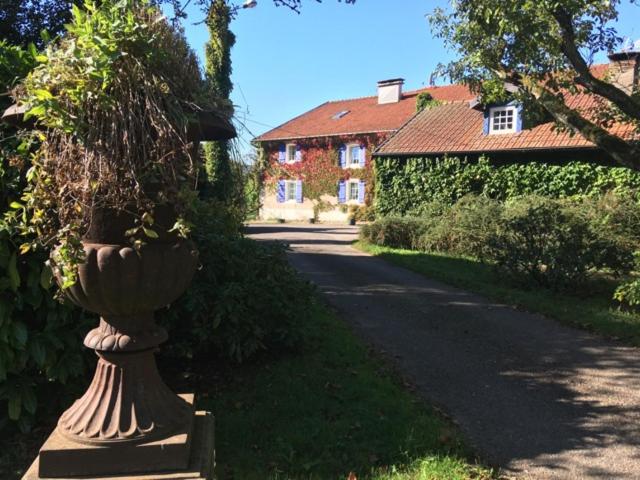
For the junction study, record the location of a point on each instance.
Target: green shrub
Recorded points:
(40, 339)
(554, 244)
(395, 232)
(246, 297)
(463, 228)
(403, 186)
(619, 215)
(628, 293)
(364, 213)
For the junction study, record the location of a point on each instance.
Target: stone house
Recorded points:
(319, 163)
(335, 143)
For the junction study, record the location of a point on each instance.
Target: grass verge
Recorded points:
(328, 411)
(593, 311)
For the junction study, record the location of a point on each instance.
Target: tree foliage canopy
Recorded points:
(544, 49)
(21, 21)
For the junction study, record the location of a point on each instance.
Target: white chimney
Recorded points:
(624, 69)
(390, 91)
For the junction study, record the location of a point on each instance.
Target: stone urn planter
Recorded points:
(129, 421)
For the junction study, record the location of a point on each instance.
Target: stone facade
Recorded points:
(324, 169)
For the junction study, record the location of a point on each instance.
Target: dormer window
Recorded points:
(503, 119)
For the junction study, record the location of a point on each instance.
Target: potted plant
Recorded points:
(317, 208)
(352, 213)
(119, 106)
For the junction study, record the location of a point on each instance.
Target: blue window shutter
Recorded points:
(519, 119)
(343, 156)
(485, 126)
(282, 154)
(299, 198)
(280, 191)
(342, 191)
(361, 191)
(363, 155)
(298, 153)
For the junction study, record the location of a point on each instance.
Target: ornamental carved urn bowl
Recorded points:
(127, 400)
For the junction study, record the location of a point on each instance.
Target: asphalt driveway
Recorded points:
(538, 399)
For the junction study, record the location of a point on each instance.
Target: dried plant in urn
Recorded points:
(120, 105)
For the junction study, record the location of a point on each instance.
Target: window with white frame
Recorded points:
(290, 191)
(292, 148)
(354, 156)
(353, 191)
(503, 119)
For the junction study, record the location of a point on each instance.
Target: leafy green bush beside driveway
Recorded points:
(557, 244)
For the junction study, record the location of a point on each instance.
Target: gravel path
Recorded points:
(538, 399)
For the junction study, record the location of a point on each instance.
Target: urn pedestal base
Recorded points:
(188, 455)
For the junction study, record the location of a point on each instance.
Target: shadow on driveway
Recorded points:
(539, 399)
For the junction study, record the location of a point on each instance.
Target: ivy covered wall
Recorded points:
(319, 167)
(406, 185)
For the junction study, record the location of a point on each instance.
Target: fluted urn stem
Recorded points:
(127, 401)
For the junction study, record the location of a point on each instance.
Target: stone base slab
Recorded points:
(200, 462)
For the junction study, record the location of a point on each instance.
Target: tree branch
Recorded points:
(623, 152)
(626, 103)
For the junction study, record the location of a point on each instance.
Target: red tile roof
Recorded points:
(365, 115)
(456, 128)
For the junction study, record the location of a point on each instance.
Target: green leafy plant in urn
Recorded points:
(119, 106)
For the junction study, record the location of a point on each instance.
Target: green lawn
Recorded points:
(322, 412)
(327, 411)
(593, 310)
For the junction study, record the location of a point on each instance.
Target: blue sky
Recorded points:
(285, 64)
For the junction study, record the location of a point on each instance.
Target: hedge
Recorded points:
(405, 186)
(40, 338)
(557, 244)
